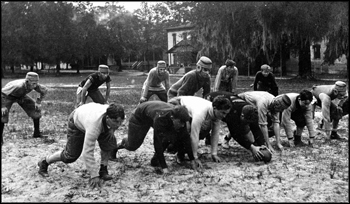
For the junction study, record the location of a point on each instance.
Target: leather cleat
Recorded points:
(154, 161)
(299, 144)
(106, 177)
(335, 136)
(37, 134)
(179, 160)
(43, 165)
(104, 173)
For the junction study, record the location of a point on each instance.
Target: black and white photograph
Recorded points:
(174, 101)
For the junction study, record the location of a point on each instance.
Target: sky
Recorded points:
(128, 5)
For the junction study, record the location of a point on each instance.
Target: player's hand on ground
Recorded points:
(216, 158)
(143, 99)
(311, 142)
(291, 143)
(4, 111)
(165, 172)
(96, 182)
(272, 150)
(280, 147)
(193, 165)
(198, 164)
(37, 106)
(257, 155)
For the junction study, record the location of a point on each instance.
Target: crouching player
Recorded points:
(300, 111)
(169, 127)
(325, 96)
(242, 122)
(87, 124)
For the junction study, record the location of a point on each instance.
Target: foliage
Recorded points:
(249, 32)
(338, 34)
(228, 28)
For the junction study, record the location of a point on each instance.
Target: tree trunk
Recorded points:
(285, 58)
(2, 72)
(305, 59)
(82, 65)
(58, 68)
(260, 59)
(119, 64)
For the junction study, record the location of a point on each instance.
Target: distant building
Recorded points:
(317, 58)
(175, 35)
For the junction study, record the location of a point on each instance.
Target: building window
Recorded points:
(317, 51)
(184, 36)
(174, 39)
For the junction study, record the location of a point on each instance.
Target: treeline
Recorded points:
(251, 33)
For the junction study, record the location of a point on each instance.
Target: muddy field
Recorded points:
(303, 174)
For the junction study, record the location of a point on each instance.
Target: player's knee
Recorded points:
(36, 115)
(68, 160)
(131, 148)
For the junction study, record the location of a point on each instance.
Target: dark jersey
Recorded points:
(95, 80)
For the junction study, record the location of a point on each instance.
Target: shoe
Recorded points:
(37, 134)
(179, 160)
(335, 136)
(154, 161)
(299, 144)
(43, 165)
(297, 140)
(104, 173)
(226, 144)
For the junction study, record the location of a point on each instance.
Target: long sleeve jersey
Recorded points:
(324, 95)
(88, 119)
(190, 83)
(226, 79)
(286, 116)
(262, 83)
(202, 113)
(262, 100)
(157, 114)
(95, 80)
(238, 128)
(18, 89)
(154, 81)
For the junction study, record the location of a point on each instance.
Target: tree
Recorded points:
(227, 29)
(338, 33)
(10, 34)
(230, 29)
(153, 38)
(56, 26)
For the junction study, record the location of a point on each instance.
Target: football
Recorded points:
(267, 154)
